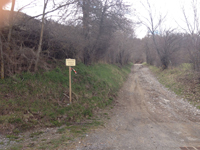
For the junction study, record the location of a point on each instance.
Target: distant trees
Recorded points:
(122, 48)
(161, 44)
(193, 31)
(101, 19)
(153, 22)
(170, 43)
(149, 53)
(164, 46)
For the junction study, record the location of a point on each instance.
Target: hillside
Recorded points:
(37, 44)
(30, 101)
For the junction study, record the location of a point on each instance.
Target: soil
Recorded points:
(147, 116)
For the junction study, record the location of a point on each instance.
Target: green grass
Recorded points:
(144, 63)
(54, 143)
(35, 134)
(19, 147)
(12, 137)
(30, 100)
(1, 143)
(61, 130)
(169, 77)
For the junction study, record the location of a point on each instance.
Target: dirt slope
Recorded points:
(146, 117)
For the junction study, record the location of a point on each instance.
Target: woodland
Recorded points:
(98, 31)
(92, 32)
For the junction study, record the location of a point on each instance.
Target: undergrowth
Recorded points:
(31, 100)
(182, 80)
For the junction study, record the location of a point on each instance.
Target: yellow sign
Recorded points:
(70, 62)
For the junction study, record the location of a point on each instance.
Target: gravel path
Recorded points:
(147, 116)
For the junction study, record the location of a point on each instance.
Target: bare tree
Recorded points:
(152, 23)
(169, 44)
(193, 30)
(2, 58)
(11, 20)
(148, 51)
(121, 50)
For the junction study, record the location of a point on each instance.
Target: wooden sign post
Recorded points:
(69, 63)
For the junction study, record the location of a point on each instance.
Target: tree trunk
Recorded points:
(41, 37)
(86, 18)
(2, 61)
(11, 21)
(100, 32)
(86, 29)
(2, 3)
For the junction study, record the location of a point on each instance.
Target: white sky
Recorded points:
(170, 7)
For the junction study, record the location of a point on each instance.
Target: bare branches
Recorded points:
(165, 41)
(152, 23)
(153, 20)
(53, 10)
(192, 21)
(25, 6)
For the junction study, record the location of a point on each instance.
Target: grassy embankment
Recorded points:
(182, 80)
(41, 100)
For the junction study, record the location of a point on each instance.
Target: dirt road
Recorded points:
(146, 117)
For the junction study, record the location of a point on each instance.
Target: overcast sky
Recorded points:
(171, 8)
